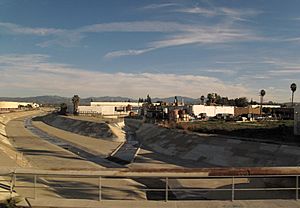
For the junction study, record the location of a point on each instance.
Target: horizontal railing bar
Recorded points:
(171, 189)
(258, 189)
(158, 177)
(74, 188)
(123, 189)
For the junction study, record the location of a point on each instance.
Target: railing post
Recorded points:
(167, 187)
(34, 186)
(232, 189)
(11, 185)
(297, 187)
(100, 187)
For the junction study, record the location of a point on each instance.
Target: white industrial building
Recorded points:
(8, 106)
(265, 106)
(117, 104)
(211, 111)
(110, 108)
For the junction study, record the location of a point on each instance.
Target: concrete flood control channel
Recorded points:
(68, 146)
(124, 149)
(122, 156)
(126, 152)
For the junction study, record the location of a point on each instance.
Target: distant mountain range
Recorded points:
(50, 99)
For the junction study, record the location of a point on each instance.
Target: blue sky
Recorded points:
(161, 48)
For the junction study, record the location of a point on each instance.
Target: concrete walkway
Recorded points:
(161, 204)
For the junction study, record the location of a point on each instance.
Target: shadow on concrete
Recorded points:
(79, 188)
(58, 154)
(152, 156)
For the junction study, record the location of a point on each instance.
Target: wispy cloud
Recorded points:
(71, 37)
(237, 14)
(18, 29)
(175, 34)
(34, 74)
(294, 39)
(223, 71)
(159, 6)
(130, 52)
(137, 26)
(198, 35)
(287, 70)
(199, 10)
(205, 35)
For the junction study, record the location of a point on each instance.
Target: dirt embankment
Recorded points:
(100, 130)
(214, 150)
(274, 131)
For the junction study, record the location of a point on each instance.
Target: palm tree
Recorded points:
(75, 101)
(262, 94)
(293, 88)
(210, 98)
(202, 98)
(148, 100)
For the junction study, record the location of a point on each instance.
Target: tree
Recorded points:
(267, 111)
(63, 109)
(262, 94)
(176, 101)
(293, 88)
(211, 97)
(75, 101)
(148, 99)
(202, 98)
(241, 102)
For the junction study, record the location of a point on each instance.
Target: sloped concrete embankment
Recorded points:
(100, 130)
(5, 144)
(215, 150)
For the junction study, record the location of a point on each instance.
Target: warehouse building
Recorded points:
(110, 108)
(10, 106)
(211, 111)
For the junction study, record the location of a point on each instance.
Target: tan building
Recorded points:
(246, 110)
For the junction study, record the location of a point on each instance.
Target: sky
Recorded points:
(132, 48)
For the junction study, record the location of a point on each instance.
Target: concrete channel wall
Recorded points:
(5, 145)
(100, 130)
(214, 150)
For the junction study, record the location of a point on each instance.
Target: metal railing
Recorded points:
(151, 186)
